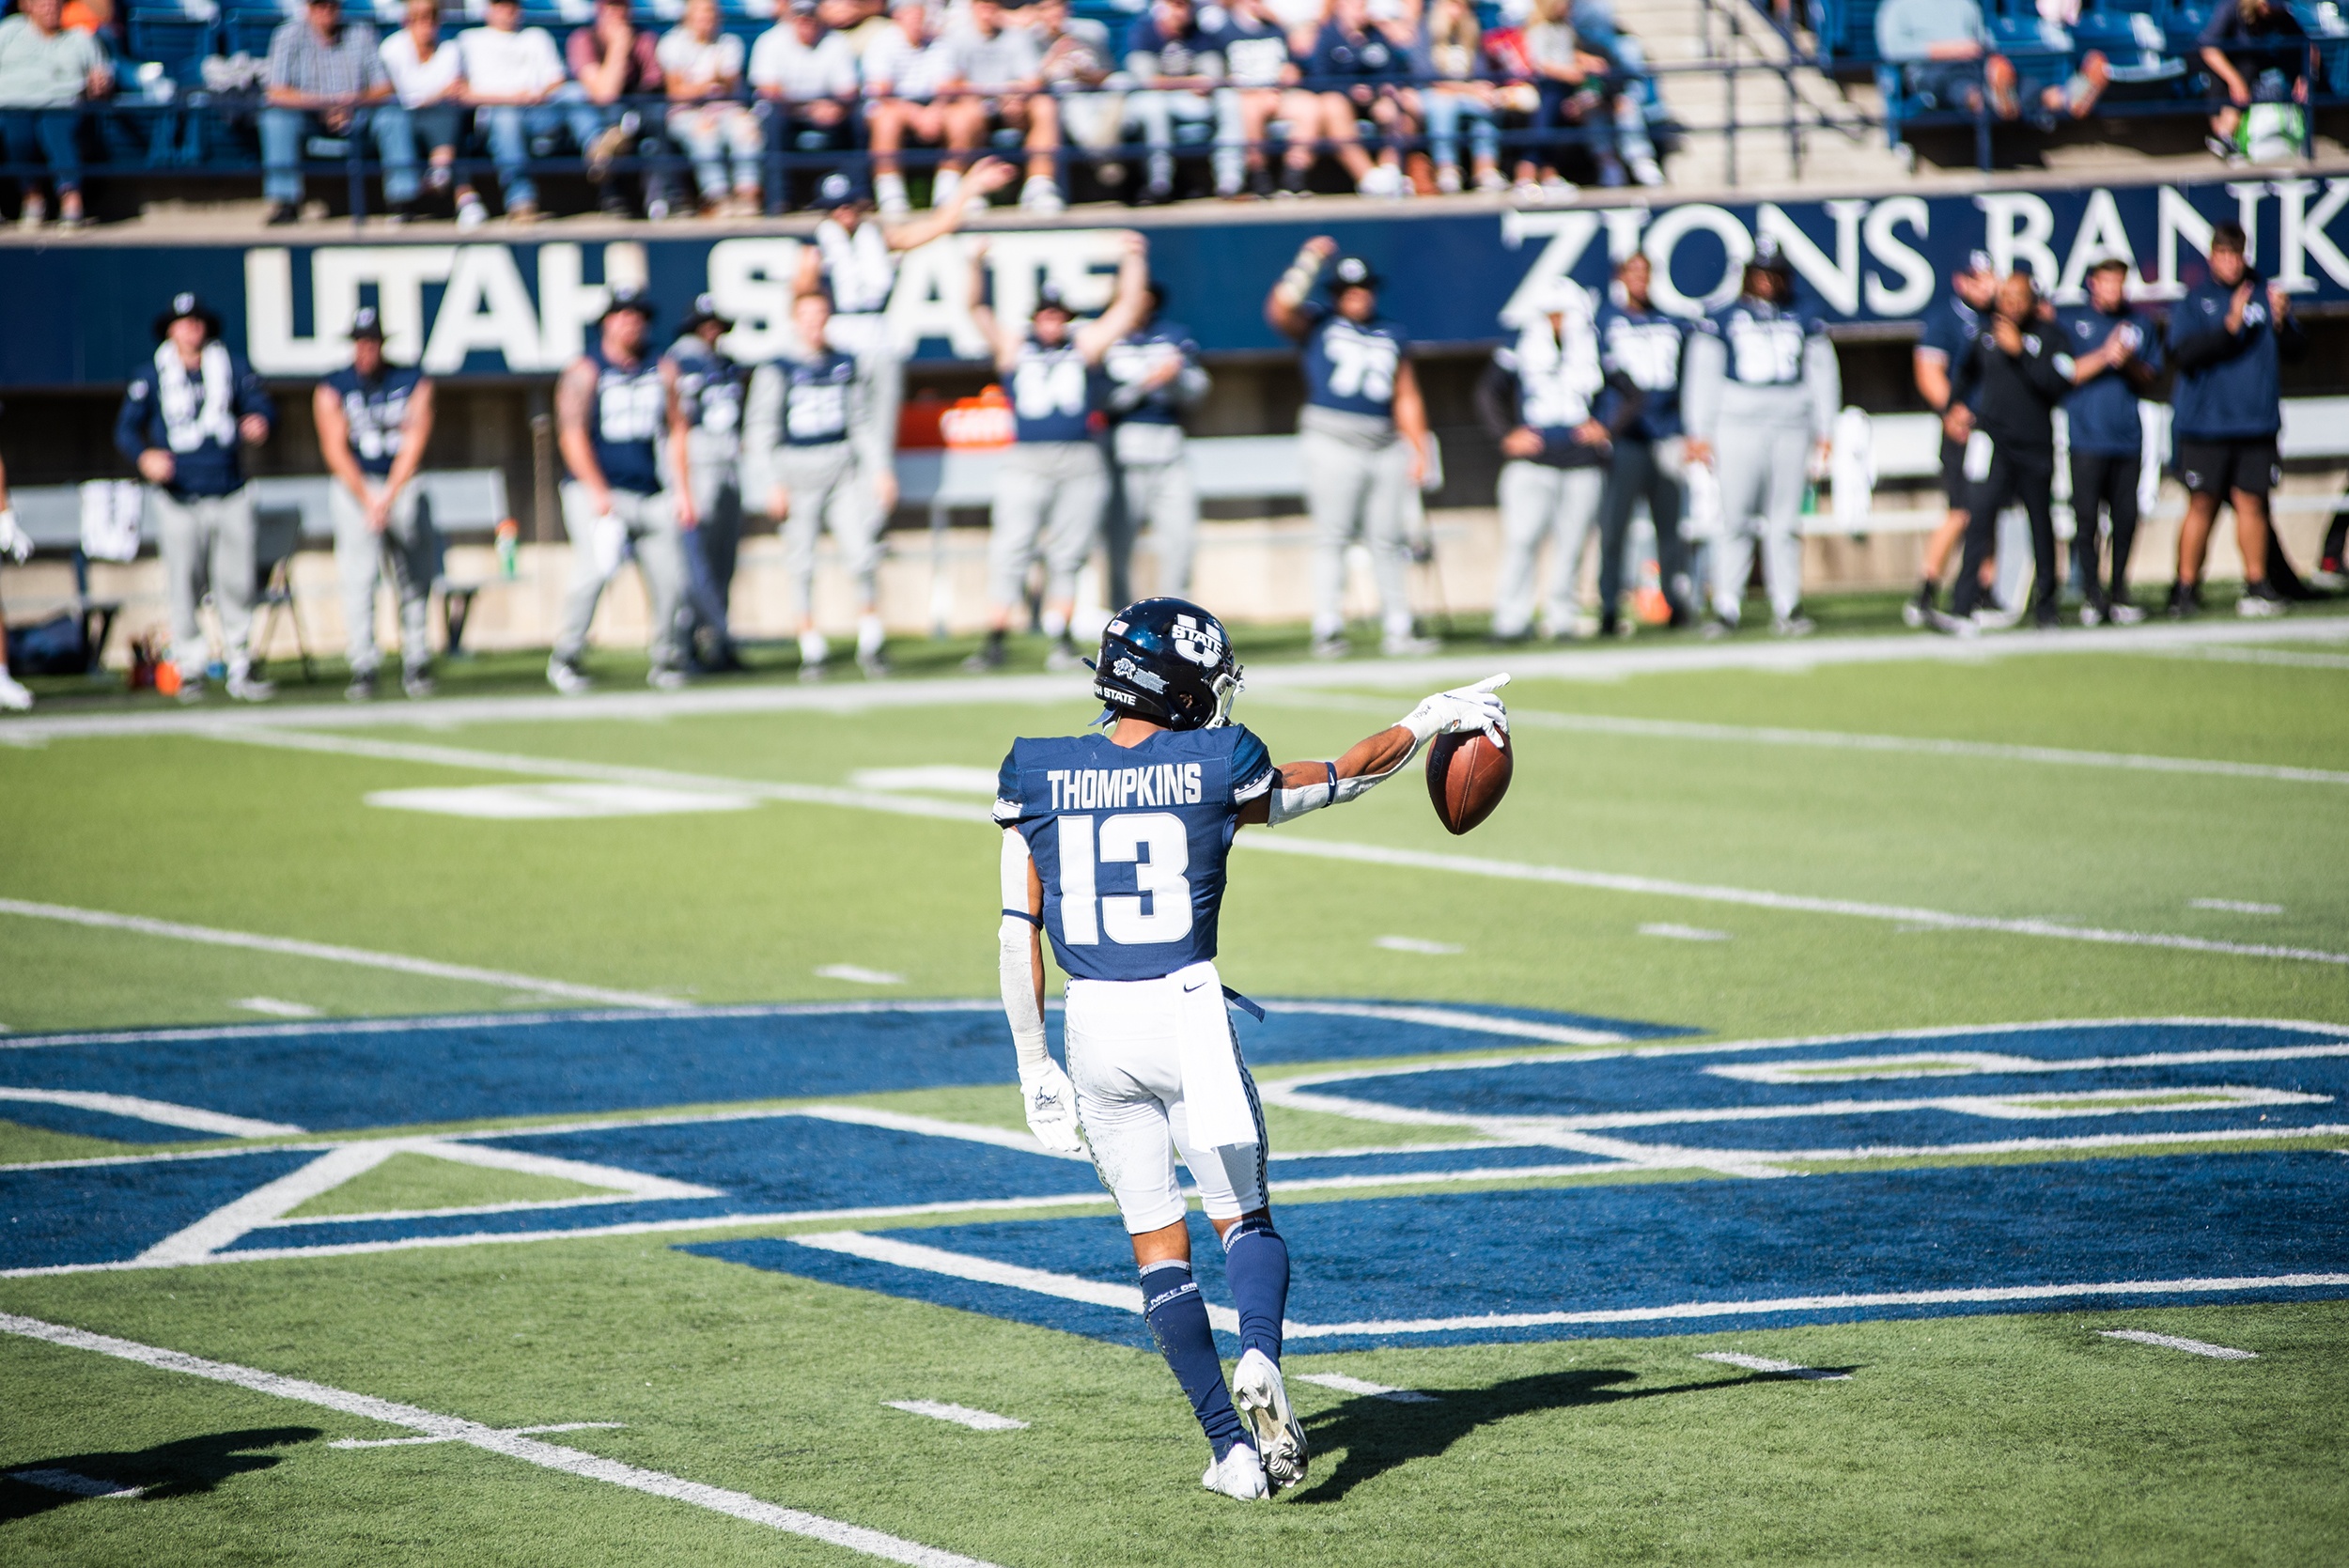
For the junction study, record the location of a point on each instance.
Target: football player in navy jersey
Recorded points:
(1361, 437)
(1113, 848)
(809, 450)
(1053, 483)
(1646, 346)
(1763, 389)
(1154, 375)
(709, 389)
(1948, 332)
(2116, 355)
(374, 420)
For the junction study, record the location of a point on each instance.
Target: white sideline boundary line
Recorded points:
(2171, 1342)
(1767, 1363)
(514, 1445)
(2290, 657)
(294, 948)
(1421, 674)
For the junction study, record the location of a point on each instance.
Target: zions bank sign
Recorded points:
(492, 310)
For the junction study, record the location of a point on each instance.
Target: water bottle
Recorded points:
(509, 537)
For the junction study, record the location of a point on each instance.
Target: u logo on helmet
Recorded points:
(1199, 645)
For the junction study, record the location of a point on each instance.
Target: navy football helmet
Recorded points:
(1169, 662)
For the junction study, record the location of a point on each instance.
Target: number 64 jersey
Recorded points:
(1130, 842)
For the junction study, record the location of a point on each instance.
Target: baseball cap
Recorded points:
(1352, 271)
(1051, 297)
(1978, 261)
(626, 296)
(368, 323)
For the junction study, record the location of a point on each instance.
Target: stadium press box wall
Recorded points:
(493, 309)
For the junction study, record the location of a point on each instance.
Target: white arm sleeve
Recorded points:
(1017, 960)
(1289, 802)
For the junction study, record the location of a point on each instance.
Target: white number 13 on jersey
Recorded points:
(1159, 847)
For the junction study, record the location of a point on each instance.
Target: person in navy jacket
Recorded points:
(2116, 356)
(2228, 338)
(185, 419)
(1645, 345)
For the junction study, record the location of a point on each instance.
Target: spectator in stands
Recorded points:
(94, 17)
(1358, 74)
(2116, 353)
(46, 70)
(1077, 71)
(702, 66)
(994, 75)
(429, 78)
(2228, 338)
(902, 73)
(609, 62)
(17, 546)
(1181, 72)
(1629, 88)
(2243, 41)
(325, 73)
(808, 74)
(1461, 95)
(512, 74)
(184, 417)
(1573, 83)
(1943, 51)
(1263, 78)
(859, 22)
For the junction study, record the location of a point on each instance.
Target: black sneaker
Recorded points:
(990, 654)
(2185, 599)
(1260, 184)
(277, 214)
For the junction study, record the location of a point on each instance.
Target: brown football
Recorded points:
(1467, 776)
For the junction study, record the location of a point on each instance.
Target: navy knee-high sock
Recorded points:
(1178, 1321)
(1256, 1260)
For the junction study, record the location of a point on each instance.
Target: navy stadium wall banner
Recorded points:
(491, 309)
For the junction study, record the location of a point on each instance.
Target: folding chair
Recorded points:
(276, 535)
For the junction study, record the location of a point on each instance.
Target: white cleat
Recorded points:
(1263, 1402)
(246, 687)
(568, 678)
(13, 697)
(1238, 1474)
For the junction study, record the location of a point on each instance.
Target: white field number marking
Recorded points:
(539, 802)
(961, 1415)
(74, 1486)
(1345, 1385)
(1416, 944)
(1765, 1363)
(2171, 1342)
(1683, 932)
(273, 1008)
(860, 975)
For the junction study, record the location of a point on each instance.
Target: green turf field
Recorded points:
(1747, 853)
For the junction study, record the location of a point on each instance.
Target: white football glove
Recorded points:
(15, 543)
(1051, 1101)
(1464, 707)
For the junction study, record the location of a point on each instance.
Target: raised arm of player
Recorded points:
(1128, 306)
(574, 404)
(986, 177)
(1044, 1092)
(1004, 350)
(1284, 307)
(1308, 787)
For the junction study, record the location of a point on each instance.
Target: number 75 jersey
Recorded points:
(1130, 842)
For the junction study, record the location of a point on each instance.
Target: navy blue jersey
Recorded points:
(1256, 52)
(206, 454)
(710, 387)
(1130, 842)
(1951, 330)
(1051, 393)
(1351, 366)
(1133, 357)
(631, 408)
(2103, 411)
(815, 398)
(1644, 346)
(1766, 342)
(2229, 387)
(375, 410)
(1366, 55)
(1183, 54)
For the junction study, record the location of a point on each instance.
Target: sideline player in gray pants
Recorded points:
(611, 406)
(374, 421)
(1154, 376)
(1763, 388)
(1537, 400)
(810, 450)
(1053, 483)
(1362, 438)
(709, 389)
(184, 416)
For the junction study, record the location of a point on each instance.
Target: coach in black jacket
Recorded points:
(2014, 378)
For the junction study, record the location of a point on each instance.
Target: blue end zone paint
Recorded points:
(107, 1213)
(1645, 1246)
(574, 1064)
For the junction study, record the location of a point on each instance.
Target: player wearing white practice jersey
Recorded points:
(1113, 848)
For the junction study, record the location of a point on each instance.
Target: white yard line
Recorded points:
(1765, 1363)
(1357, 1386)
(2171, 1342)
(858, 974)
(1399, 675)
(525, 1431)
(1683, 932)
(74, 1484)
(961, 1415)
(514, 1445)
(986, 1271)
(160, 1112)
(293, 948)
(275, 1008)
